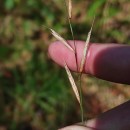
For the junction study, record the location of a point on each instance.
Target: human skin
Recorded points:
(108, 61)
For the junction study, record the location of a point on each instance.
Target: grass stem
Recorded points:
(72, 33)
(81, 97)
(76, 59)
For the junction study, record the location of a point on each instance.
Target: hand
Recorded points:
(106, 61)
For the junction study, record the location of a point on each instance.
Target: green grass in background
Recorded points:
(35, 92)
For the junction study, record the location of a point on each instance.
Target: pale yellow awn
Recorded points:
(86, 49)
(70, 8)
(58, 37)
(71, 79)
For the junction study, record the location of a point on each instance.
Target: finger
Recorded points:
(59, 53)
(115, 119)
(76, 127)
(106, 61)
(89, 125)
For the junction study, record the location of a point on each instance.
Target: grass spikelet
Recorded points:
(70, 8)
(86, 48)
(61, 39)
(71, 79)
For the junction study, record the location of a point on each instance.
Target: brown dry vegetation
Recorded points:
(35, 93)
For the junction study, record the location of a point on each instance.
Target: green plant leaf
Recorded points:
(94, 7)
(9, 4)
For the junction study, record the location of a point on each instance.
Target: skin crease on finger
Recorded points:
(106, 61)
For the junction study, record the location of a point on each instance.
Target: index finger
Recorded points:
(106, 61)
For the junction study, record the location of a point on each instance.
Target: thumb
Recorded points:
(76, 127)
(87, 125)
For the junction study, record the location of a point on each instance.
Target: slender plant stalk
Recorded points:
(82, 66)
(81, 97)
(76, 59)
(72, 33)
(77, 92)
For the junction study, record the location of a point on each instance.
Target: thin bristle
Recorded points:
(70, 8)
(71, 79)
(86, 48)
(58, 37)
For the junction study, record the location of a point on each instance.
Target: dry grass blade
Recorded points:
(70, 8)
(71, 79)
(58, 37)
(86, 48)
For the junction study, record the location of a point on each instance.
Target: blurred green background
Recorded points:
(34, 92)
